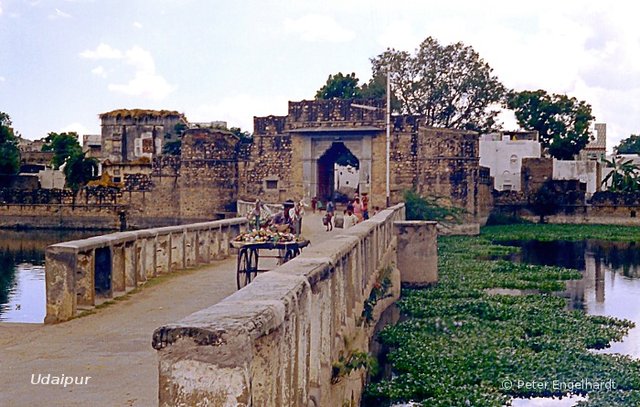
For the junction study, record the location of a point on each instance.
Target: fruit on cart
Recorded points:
(265, 236)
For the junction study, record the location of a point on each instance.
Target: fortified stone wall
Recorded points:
(535, 172)
(404, 155)
(60, 216)
(208, 181)
(434, 161)
(335, 112)
(131, 134)
(199, 185)
(448, 166)
(268, 171)
(603, 207)
(36, 157)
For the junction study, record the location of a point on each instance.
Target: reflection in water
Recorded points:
(611, 282)
(22, 278)
(610, 286)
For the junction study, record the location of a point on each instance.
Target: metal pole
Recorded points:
(388, 135)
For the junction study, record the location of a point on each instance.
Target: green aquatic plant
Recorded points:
(461, 345)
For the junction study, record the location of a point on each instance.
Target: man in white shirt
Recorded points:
(350, 219)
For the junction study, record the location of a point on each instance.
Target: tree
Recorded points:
(244, 136)
(624, 176)
(630, 145)
(546, 201)
(9, 152)
(451, 86)
(376, 88)
(562, 122)
(63, 145)
(339, 86)
(78, 169)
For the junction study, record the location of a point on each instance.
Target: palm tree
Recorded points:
(624, 176)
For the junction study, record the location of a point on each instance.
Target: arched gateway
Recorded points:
(293, 156)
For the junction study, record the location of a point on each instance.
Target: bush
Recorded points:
(430, 208)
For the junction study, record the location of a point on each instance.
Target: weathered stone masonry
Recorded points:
(81, 273)
(198, 185)
(284, 161)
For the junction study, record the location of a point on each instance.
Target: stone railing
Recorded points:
(82, 273)
(286, 338)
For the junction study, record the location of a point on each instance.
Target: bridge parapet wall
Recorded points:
(82, 273)
(286, 338)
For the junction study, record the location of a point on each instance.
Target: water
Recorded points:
(22, 278)
(610, 286)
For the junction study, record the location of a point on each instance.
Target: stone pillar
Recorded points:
(60, 284)
(417, 252)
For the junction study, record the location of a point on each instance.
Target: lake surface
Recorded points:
(610, 286)
(22, 279)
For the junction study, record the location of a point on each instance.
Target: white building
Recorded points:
(346, 179)
(585, 171)
(503, 152)
(51, 179)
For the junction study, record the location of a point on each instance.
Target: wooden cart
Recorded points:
(249, 256)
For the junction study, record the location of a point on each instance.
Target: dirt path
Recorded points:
(112, 346)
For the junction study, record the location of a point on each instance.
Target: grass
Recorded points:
(461, 346)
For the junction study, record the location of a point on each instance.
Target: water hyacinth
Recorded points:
(462, 345)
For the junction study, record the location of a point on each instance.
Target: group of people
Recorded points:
(357, 211)
(289, 218)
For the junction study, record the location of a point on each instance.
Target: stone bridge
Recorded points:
(279, 341)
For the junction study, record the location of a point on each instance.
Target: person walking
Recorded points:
(365, 206)
(357, 209)
(331, 209)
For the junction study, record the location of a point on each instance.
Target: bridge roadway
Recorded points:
(112, 346)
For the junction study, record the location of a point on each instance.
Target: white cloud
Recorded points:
(0, 9)
(102, 51)
(318, 28)
(238, 110)
(399, 35)
(2, 79)
(77, 127)
(140, 59)
(146, 82)
(137, 24)
(99, 71)
(59, 14)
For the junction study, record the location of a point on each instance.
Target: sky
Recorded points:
(63, 62)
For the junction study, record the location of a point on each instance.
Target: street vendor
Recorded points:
(260, 215)
(282, 220)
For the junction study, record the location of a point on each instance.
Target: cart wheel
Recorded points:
(253, 264)
(243, 277)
